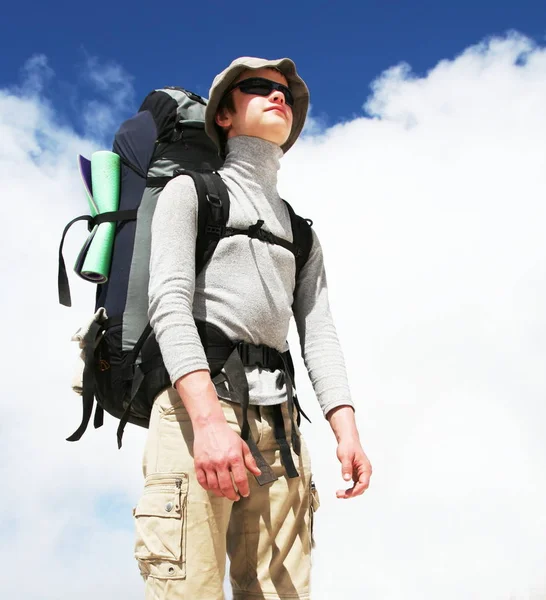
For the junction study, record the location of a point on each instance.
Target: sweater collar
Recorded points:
(254, 159)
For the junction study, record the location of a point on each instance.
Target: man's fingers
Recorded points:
(226, 485)
(250, 463)
(202, 478)
(212, 483)
(357, 490)
(240, 477)
(346, 468)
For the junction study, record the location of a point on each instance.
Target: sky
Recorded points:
(340, 48)
(422, 168)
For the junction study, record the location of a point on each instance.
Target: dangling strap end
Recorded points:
(300, 410)
(267, 475)
(121, 428)
(64, 288)
(63, 285)
(98, 421)
(296, 443)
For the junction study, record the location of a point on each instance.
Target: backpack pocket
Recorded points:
(160, 522)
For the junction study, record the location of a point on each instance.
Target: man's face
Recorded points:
(266, 117)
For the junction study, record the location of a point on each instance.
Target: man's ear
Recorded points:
(223, 118)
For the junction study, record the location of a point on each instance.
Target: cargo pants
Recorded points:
(184, 532)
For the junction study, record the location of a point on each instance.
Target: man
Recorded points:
(202, 495)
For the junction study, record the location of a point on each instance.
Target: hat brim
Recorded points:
(224, 80)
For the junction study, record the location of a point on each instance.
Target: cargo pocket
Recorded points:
(160, 522)
(314, 503)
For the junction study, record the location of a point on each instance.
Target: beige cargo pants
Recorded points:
(183, 532)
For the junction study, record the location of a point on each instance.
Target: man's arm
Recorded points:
(172, 279)
(217, 448)
(324, 360)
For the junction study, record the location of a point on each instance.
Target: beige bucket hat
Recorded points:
(224, 80)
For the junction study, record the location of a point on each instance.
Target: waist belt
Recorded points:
(231, 358)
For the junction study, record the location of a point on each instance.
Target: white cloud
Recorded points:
(117, 98)
(314, 125)
(36, 74)
(50, 489)
(431, 214)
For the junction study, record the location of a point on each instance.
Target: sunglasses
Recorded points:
(263, 87)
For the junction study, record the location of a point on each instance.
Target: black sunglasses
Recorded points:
(263, 87)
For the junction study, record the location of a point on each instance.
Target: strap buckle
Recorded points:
(215, 230)
(256, 232)
(214, 200)
(254, 355)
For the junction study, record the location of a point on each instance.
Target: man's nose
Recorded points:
(278, 97)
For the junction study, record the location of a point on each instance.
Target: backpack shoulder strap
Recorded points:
(302, 235)
(213, 214)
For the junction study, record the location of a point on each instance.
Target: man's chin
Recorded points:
(277, 137)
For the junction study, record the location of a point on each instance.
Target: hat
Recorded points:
(225, 79)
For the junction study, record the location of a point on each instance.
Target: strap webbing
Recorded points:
(256, 232)
(88, 380)
(138, 378)
(158, 182)
(98, 421)
(214, 208)
(302, 236)
(115, 216)
(299, 410)
(238, 383)
(296, 443)
(280, 436)
(108, 217)
(212, 214)
(62, 280)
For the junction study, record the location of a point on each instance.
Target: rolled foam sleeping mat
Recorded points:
(105, 179)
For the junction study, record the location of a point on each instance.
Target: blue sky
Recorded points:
(339, 47)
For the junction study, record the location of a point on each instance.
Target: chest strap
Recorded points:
(256, 232)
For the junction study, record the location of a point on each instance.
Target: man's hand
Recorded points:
(221, 457)
(219, 454)
(355, 465)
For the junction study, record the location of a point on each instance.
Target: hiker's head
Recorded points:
(259, 104)
(258, 98)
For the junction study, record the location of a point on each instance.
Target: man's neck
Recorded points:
(254, 159)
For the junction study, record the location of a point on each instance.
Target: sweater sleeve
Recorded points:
(172, 279)
(320, 348)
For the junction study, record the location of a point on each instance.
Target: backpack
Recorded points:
(123, 367)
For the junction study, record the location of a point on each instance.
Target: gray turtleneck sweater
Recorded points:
(247, 288)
